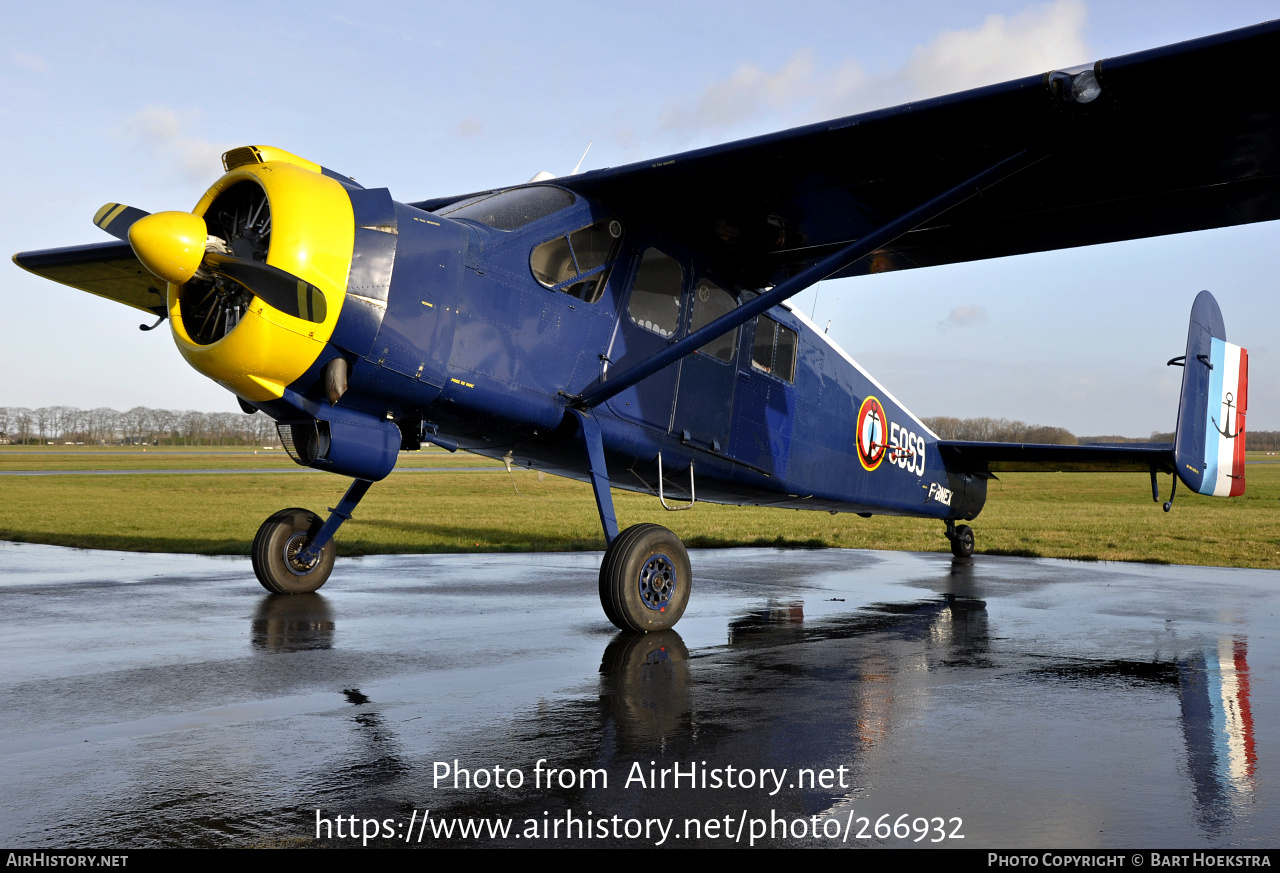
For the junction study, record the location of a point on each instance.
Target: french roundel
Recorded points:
(872, 438)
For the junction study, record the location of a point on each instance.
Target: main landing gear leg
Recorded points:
(293, 552)
(645, 577)
(961, 537)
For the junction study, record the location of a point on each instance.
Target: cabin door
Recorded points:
(704, 401)
(647, 324)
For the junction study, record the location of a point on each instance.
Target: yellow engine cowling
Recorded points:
(312, 234)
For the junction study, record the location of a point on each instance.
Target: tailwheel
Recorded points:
(961, 541)
(276, 548)
(645, 579)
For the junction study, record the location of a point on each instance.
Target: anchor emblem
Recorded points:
(1227, 431)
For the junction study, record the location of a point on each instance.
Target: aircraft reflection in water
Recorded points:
(1217, 723)
(911, 637)
(785, 691)
(293, 624)
(917, 637)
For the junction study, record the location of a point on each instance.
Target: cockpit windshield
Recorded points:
(508, 210)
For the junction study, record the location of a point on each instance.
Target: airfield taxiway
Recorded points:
(824, 696)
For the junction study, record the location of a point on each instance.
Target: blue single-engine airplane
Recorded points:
(629, 326)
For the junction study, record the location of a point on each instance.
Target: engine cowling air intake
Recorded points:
(344, 442)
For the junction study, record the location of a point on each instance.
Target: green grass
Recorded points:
(16, 458)
(1064, 515)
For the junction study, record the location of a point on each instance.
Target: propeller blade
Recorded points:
(117, 218)
(278, 289)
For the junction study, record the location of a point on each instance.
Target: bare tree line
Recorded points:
(999, 430)
(144, 426)
(1002, 430)
(61, 425)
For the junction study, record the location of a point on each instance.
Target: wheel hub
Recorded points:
(292, 547)
(657, 582)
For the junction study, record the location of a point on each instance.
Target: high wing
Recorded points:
(1181, 138)
(109, 270)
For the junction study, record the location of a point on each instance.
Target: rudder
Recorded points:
(1209, 440)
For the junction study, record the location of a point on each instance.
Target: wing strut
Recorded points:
(828, 266)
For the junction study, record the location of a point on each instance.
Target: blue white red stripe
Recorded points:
(1232, 719)
(1224, 420)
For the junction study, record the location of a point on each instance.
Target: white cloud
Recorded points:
(470, 128)
(399, 33)
(748, 93)
(160, 131)
(30, 62)
(1035, 40)
(965, 316)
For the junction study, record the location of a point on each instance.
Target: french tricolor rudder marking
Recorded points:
(1224, 420)
(1237, 459)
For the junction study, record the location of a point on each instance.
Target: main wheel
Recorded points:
(962, 541)
(645, 579)
(275, 551)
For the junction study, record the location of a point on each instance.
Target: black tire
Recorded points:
(645, 579)
(962, 541)
(280, 536)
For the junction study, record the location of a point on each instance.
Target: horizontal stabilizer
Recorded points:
(984, 457)
(109, 270)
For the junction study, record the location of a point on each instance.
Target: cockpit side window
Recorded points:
(578, 264)
(508, 210)
(552, 262)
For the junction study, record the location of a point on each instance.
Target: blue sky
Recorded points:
(135, 102)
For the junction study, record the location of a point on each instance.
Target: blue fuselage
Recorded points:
(490, 357)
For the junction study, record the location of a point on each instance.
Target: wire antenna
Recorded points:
(583, 158)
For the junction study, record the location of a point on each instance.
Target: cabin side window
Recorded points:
(578, 264)
(710, 301)
(655, 297)
(774, 349)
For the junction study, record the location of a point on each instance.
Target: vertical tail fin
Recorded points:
(1209, 441)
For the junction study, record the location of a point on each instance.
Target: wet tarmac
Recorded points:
(808, 698)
